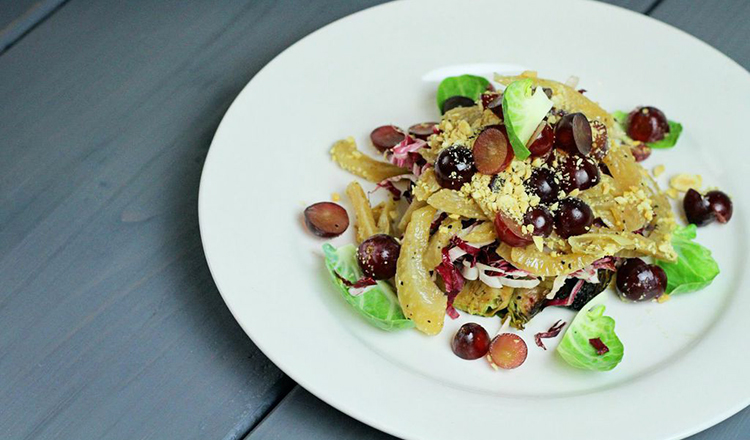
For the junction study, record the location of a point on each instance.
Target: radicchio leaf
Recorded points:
(551, 333)
(405, 155)
(452, 277)
(388, 185)
(600, 347)
(358, 287)
(450, 310)
(565, 302)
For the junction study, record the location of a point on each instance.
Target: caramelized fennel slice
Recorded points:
(542, 264)
(348, 157)
(420, 298)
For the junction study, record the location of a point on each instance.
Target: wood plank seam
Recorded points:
(23, 25)
(653, 6)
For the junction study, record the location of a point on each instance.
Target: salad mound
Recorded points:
(515, 201)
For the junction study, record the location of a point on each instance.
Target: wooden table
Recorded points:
(110, 324)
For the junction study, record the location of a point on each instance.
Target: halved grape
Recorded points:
(573, 134)
(508, 351)
(455, 102)
(702, 210)
(386, 137)
(696, 207)
(541, 144)
(720, 204)
(326, 219)
(509, 232)
(492, 151)
(494, 103)
(423, 130)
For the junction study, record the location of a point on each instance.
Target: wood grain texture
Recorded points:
(724, 24)
(20, 16)
(110, 324)
(303, 416)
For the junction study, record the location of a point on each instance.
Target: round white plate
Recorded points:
(686, 363)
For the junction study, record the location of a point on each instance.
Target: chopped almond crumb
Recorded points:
(335, 197)
(658, 170)
(683, 182)
(538, 242)
(662, 299)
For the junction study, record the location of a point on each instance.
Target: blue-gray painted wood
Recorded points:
(110, 324)
(20, 16)
(724, 24)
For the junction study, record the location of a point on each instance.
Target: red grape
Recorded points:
(600, 141)
(541, 219)
(454, 166)
(471, 341)
(639, 281)
(377, 256)
(702, 210)
(542, 183)
(494, 103)
(578, 173)
(573, 134)
(573, 217)
(455, 102)
(508, 351)
(386, 137)
(641, 152)
(492, 151)
(326, 219)
(509, 232)
(542, 144)
(423, 130)
(721, 205)
(647, 124)
(696, 207)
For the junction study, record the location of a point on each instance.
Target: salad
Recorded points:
(517, 200)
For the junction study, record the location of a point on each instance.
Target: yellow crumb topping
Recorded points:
(683, 182)
(335, 197)
(505, 192)
(658, 170)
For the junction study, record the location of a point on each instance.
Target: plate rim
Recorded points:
(319, 391)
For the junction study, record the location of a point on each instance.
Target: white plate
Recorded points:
(686, 362)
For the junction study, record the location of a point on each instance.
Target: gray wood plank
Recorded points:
(724, 24)
(19, 16)
(303, 416)
(110, 324)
